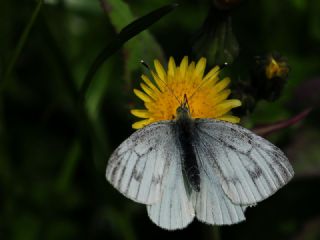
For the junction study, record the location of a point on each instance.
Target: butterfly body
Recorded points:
(184, 130)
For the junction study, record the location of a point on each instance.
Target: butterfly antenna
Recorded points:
(145, 64)
(185, 101)
(165, 84)
(221, 67)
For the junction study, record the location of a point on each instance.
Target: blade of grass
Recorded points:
(124, 35)
(20, 45)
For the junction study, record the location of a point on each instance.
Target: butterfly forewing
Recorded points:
(249, 167)
(136, 168)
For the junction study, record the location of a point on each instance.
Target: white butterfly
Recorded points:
(202, 168)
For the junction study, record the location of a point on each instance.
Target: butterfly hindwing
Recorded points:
(249, 167)
(211, 204)
(174, 210)
(136, 168)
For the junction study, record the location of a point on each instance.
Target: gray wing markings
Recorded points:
(140, 177)
(179, 162)
(247, 154)
(115, 168)
(204, 168)
(137, 166)
(235, 179)
(284, 169)
(227, 206)
(159, 220)
(221, 209)
(261, 161)
(159, 179)
(215, 165)
(276, 184)
(174, 210)
(134, 173)
(137, 175)
(251, 192)
(256, 173)
(258, 170)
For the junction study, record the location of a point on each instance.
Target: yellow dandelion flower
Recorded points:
(276, 68)
(206, 94)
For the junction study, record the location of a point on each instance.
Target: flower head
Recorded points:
(206, 94)
(276, 68)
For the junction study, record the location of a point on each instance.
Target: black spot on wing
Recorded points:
(255, 173)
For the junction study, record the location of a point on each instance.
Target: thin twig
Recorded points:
(264, 130)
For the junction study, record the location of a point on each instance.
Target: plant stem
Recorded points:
(216, 233)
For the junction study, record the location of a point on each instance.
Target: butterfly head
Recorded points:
(183, 111)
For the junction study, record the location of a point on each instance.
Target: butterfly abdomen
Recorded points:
(189, 162)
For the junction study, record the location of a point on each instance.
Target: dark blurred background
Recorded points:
(53, 152)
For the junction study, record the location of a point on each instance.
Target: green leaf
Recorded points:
(124, 35)
(144, 46)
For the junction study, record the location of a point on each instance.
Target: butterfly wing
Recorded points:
(248, 167)
(174, 210)
(136, 168)
(211, 204)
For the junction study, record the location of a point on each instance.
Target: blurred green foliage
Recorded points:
(53, 152)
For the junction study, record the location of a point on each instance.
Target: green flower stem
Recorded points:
(216, 233)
